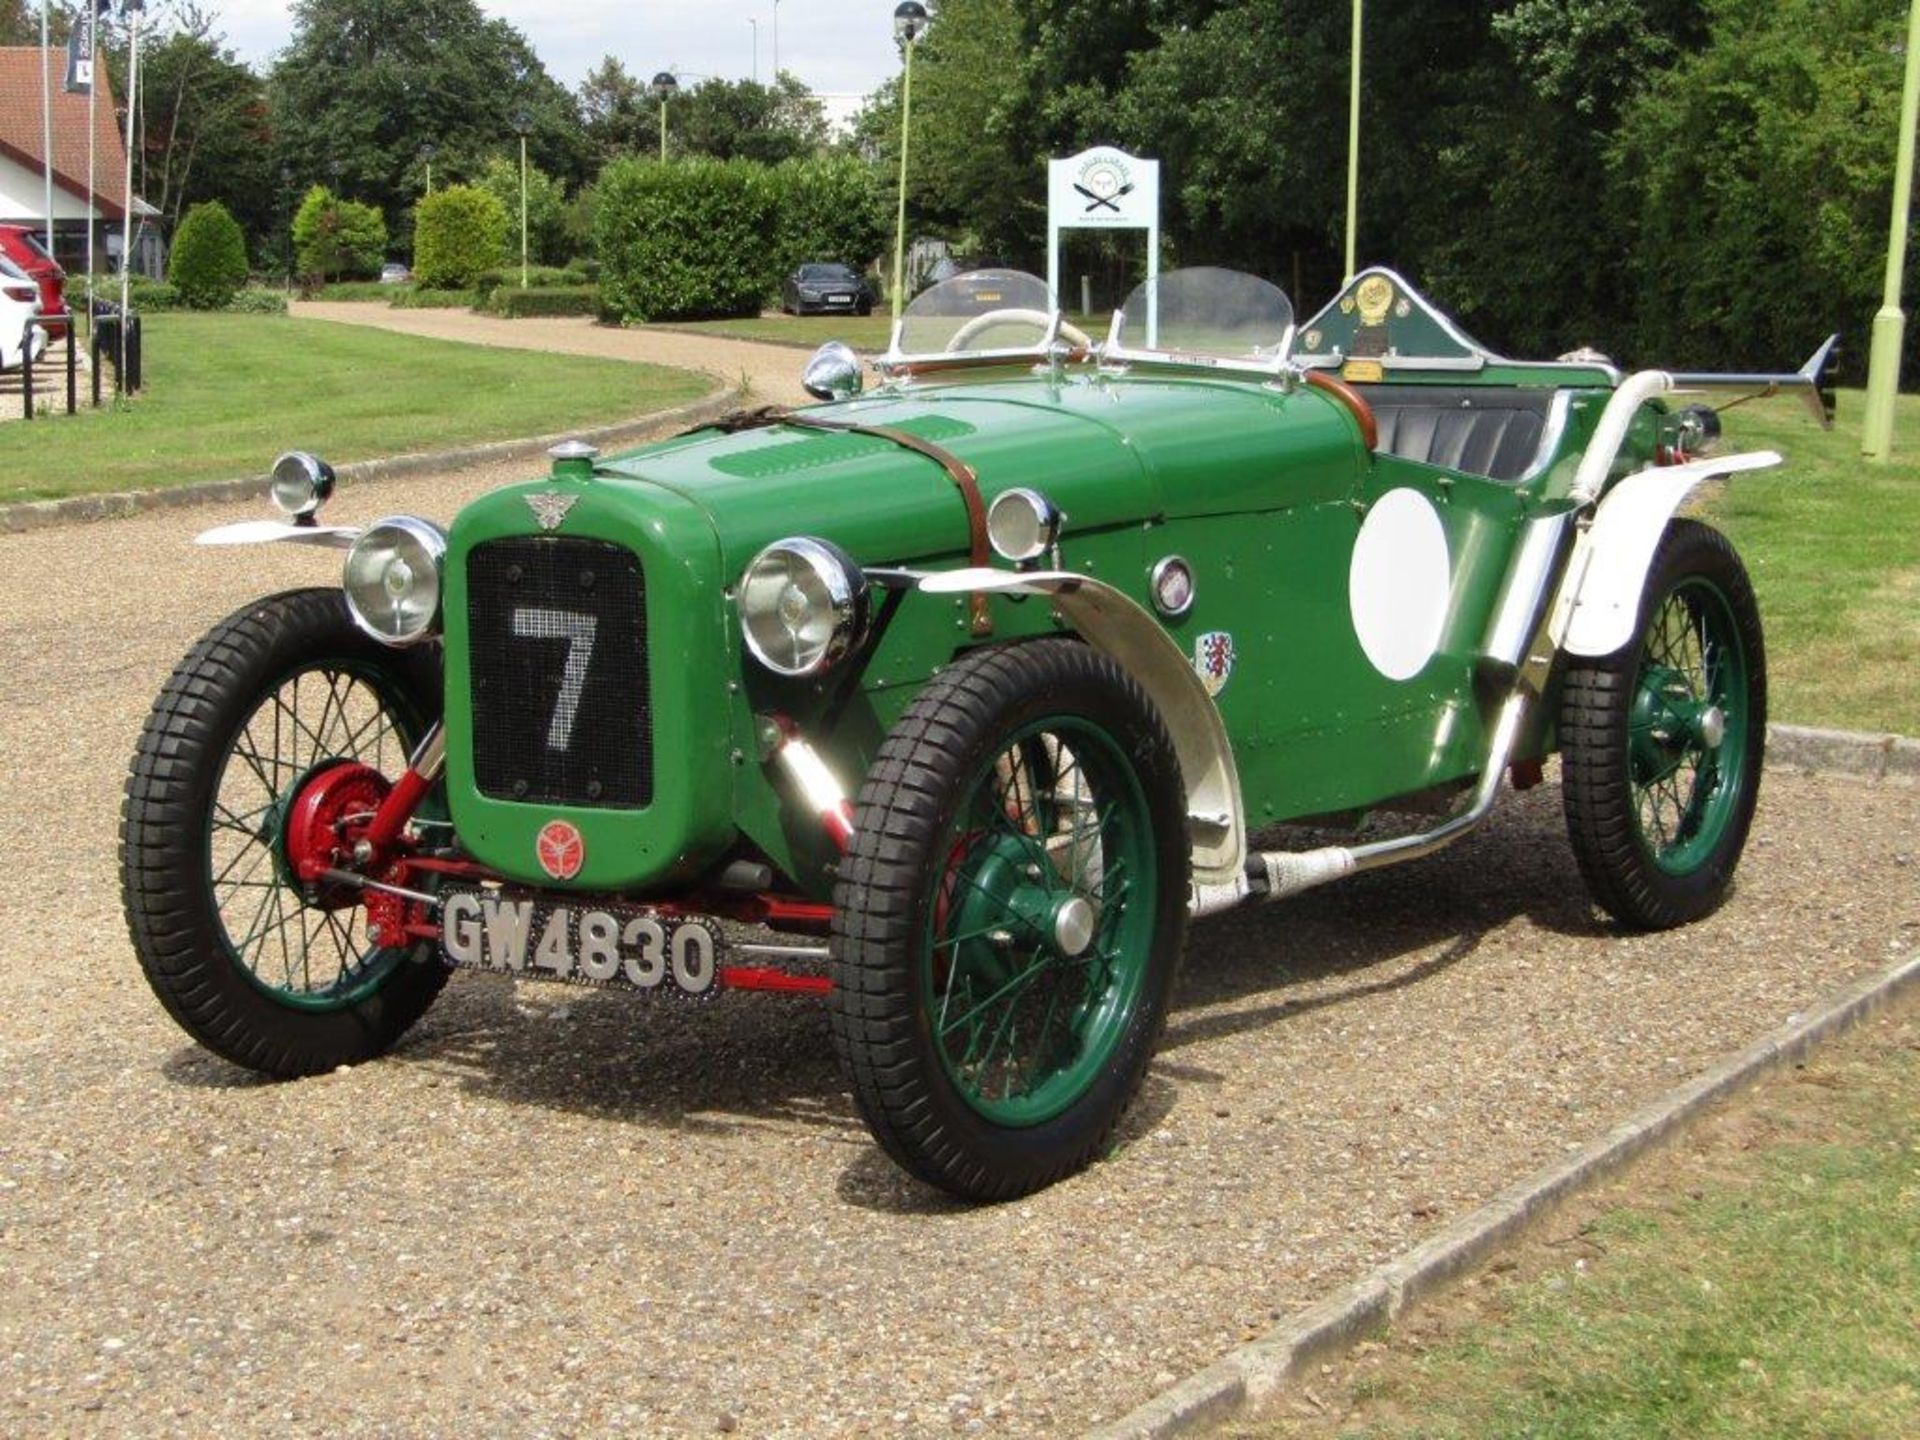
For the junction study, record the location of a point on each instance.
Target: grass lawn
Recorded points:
(226, 393)
(1760, 1278)
(1833, 544)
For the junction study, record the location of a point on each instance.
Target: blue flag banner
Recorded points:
(80, 56)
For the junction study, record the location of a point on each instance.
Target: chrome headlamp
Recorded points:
(1022, 524)
(302, 483)
(393, 579)
(803, 605)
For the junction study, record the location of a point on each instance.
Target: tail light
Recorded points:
(28, 293)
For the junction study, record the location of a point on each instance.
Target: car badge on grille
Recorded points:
(550, 508)
(560, 849)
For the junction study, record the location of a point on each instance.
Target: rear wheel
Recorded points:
(283, 721)
(1663, 741)
(1009, 917)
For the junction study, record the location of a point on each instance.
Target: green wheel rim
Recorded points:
(1042, 922)
(305, 957)
(1687, 732)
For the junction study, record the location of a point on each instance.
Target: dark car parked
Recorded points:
(25, 248)
(822, 287)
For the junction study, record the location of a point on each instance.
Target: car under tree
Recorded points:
(950, 703)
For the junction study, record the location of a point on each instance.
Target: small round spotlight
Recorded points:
(1173, 587)
(302, 483)
(1022, 524)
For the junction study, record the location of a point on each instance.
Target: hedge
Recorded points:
(421, 297)
(831, 208)
(544, 276)
(688, 240)
(518, 304)
(458, 233)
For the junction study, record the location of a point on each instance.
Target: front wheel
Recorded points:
(283, 702)
(1663, 741)
(1008, 918)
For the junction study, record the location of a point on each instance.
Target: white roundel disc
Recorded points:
(1399, 584)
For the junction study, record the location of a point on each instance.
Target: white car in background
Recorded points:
(19, 305)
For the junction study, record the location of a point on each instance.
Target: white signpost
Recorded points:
(1104, 189)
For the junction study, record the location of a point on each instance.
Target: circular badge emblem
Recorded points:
(560, 849)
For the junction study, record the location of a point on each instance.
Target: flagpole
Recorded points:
(46, 117)
(93, 190)
(126, 243)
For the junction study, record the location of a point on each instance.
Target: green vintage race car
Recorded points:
(951, 702)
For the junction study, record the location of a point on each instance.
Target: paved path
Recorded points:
(772, 371)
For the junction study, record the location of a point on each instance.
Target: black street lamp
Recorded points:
(664, 88)
(523, 127)
(910, 21)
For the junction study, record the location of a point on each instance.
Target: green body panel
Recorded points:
(1262, 490)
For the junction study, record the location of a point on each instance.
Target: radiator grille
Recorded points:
(558, 666)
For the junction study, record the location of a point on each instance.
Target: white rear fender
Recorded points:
(1599, 600)
(1116, 625)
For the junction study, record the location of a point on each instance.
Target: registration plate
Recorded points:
(840, 299)
(587, 944)
(987, 297)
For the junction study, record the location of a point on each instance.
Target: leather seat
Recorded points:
(1482, 430)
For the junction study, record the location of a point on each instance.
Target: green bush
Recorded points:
(690, 240)
(420, 297)
(256, 300)
(209, 260)
(508, 277)
(517, 304)
(334, 237)
(587, 266)
(831, 208)
(355, 290)
(546, 208)
(145, 296)
(458, 233)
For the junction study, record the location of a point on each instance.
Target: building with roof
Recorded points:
(23, 195)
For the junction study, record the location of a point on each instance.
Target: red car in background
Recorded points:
(28, 250)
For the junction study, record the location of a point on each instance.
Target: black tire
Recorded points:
(198, 753)
(1663, 741)
(988, 773)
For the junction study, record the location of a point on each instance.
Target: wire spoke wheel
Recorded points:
(304, 954)
(1035, 947)
(281, 706)
(1664, 741)
(1009, 916)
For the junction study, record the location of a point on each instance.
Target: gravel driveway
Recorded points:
(565, 1213)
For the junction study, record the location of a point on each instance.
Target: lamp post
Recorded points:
(756, 48)
(776, 42)
(664, 88)
(1890, 324)
(910, 20)
(523, 127)
(1353, 142)
(427, 152)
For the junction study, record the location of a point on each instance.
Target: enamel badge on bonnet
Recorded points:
(550, 508)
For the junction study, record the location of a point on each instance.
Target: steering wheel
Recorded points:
(1016, 315)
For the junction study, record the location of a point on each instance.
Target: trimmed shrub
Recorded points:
(690, 240)
(257, 301)
(209, 260)
(538, 277)
(458, 233)
(518, 304)
(334, 237)
(421, 298)
(354, 290)
(831, 208)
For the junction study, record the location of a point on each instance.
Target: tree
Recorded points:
(368, 83)
(546, 208)
(690, 240)
(744, 120)
(208, 264)
(831, 208)
(458, 233)
(615, 111)
(205, 134)
(334, 237)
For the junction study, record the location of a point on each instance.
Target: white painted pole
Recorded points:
(133, 128)
(93, 192)
(46, 115)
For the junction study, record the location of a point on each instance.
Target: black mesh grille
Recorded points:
(561, 712)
